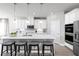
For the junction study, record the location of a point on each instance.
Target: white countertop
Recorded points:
(29, 37)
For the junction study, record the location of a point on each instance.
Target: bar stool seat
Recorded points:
(7, 44)
(33, 45)
(49, 44)
(19, 44)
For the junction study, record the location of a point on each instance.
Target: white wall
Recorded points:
(56, 27)
(6, 11)
(62, 27)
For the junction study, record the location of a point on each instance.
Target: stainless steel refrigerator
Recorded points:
(76, 38)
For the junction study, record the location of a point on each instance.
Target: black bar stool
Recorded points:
(33, 45)
(19, 44)
(47, 45)
(7, 44)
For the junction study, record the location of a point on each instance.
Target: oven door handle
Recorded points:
(75, 36)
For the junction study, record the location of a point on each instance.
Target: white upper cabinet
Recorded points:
(76, 25)
(40, 24)
(67, 19)
(72, 16)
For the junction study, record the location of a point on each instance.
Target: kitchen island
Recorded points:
(39, 39)
(33, 37)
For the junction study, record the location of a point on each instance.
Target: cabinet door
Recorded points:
(67, 18)
(40, 24)
(76, 26)
(77, 15)
(72, 17)
(76, 48)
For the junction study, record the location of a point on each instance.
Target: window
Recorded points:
(3, 27)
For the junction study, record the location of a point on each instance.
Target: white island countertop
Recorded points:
(30, 37)
(37, 37)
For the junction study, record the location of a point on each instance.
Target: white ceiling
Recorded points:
(46, 8)
(54, 6)
(39, 10)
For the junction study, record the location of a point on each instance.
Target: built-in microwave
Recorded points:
(69, 28)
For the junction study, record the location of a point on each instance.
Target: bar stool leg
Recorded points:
(29, 50)
(38, 50)
(50, 49)
(14, 46)
(15, 50)
(11, 50)
(7, 49)
(53, 49)
(43, 50)
(24, 50)
(2, 51)
(18, 48)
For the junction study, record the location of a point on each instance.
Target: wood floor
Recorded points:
(63, 51)
(59, 51)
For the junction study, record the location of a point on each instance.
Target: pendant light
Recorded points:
(28, 13)
(41, 5)
(14, 11)
(15, 21)
(28, 8)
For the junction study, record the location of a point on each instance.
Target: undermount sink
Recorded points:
(27, 35)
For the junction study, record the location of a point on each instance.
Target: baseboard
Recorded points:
(69, 46)
(61, 44)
